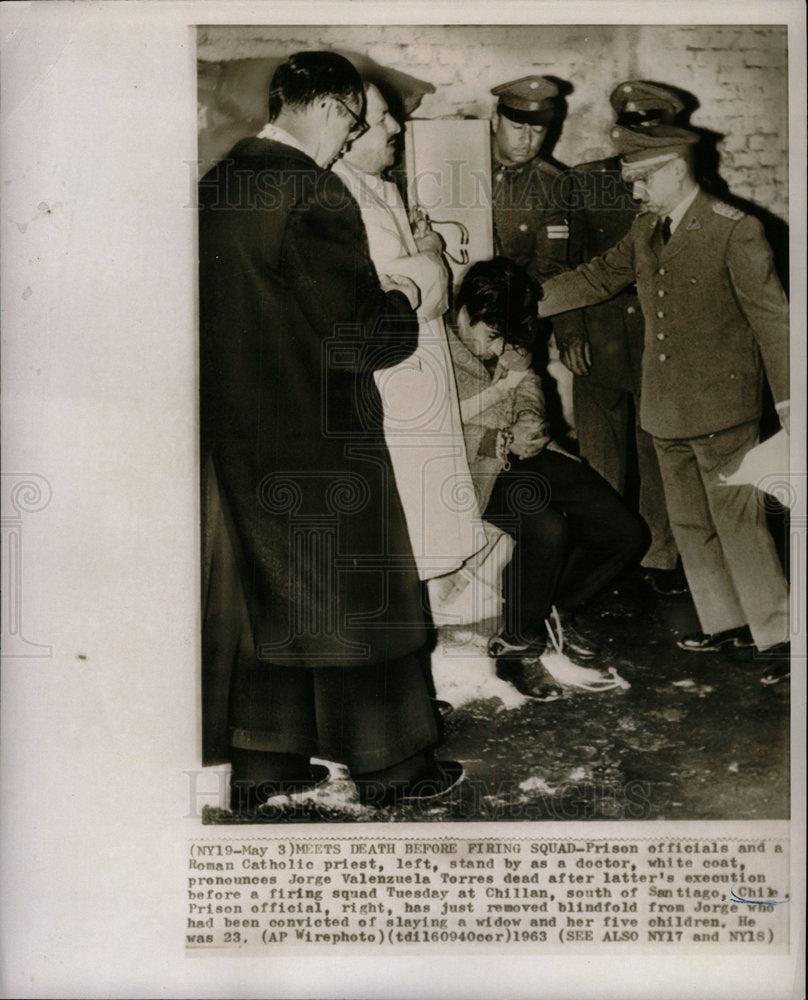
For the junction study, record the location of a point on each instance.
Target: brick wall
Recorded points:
(737, 74)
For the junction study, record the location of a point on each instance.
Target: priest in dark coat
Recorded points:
(312, 615)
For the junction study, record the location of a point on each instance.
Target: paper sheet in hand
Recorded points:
(765, 466)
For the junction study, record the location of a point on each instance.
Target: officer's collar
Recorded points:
(515, 169)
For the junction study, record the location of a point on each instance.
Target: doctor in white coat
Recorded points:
(422, 423)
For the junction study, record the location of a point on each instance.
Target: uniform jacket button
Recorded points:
(660, 336)
(661, 292)
(631, 310)
(663, 357)
(522, 227)
(661, 270)
(660, 314)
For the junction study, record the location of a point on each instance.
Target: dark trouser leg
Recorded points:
(374, 717)
(605, 535)
(272, 729)
(368, 717)
(601, 424)
(573, 531)
(257, 775)
(520, 505)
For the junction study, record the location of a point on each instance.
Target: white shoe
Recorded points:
(570, 674)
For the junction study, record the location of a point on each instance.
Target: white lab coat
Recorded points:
(422, 423)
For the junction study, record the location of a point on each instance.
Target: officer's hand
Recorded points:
(577, 356)
(430, 242)
(527, 436)
(400, 283)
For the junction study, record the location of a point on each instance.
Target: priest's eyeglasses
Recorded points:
(359, 127)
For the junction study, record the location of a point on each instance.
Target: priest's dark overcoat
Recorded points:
(305, 548)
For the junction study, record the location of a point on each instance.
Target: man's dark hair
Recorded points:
(307, 77)
(501, 294)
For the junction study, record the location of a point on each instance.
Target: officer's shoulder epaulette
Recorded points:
(548, 168)
(728, 211)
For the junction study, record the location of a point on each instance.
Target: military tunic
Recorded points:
(605, 211)
(602, 399)
(714, 310)
(531, 210)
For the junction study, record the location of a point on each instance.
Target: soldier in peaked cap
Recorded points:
(528, 100)
(532, 201)
(531, 198)
(713, 308)
(604, 351)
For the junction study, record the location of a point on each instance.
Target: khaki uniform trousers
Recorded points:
(728, 554)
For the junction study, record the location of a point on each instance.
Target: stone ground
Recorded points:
(695, 736)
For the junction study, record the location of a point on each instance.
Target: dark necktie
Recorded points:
(666, 229)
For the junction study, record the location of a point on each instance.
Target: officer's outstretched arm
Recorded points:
(596, 281)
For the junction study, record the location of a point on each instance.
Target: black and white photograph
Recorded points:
(492, 549)
(404, 499)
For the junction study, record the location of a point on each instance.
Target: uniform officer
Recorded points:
(605, 351)
(531, 197)
(713, 307)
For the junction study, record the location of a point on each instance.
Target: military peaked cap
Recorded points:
(529, 100)
(654, 142)
(640, 104)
